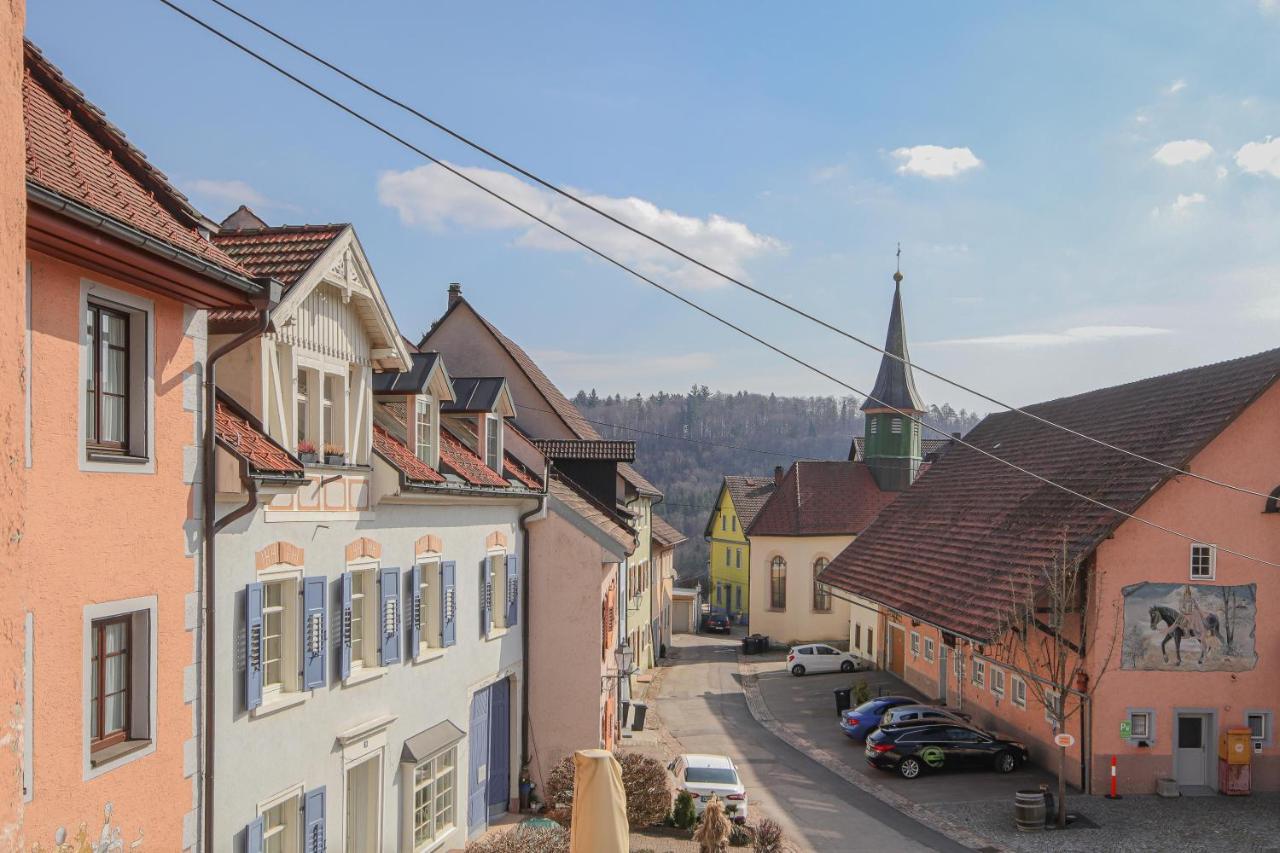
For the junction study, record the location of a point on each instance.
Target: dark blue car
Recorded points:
(861, 721)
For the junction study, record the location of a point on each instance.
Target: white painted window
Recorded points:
(424, 429)
(1204, 559)
(498, 586)
(280, 826)
(279, 637)
(979, 672)
(364, 618)
(430, 629)
(1259, 726)
(915, 644)
(302, 415)
(432, 788)
(1019, 691)
(930, 651)
(493, 443)
(997, 681)
(334, 416)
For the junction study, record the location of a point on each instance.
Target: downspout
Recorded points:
(265, 304)
(525, 724)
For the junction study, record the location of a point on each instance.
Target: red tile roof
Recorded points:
(952, 549)
(579, 448)
(241, 434)
(72, 150)
(822, 499)
(466, 464)
(521, 473)
(284, 252)
(404, 460)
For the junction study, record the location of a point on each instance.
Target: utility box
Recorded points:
(1235, 746)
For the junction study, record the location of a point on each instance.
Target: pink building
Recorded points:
(119, 273)
(1183, 645)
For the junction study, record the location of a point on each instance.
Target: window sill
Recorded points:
(107, 755)
(278, 703)
(429, 655)
(497, 633)
(120, 458)
(360, 676)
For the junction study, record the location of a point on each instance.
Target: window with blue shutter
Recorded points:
(415, 610)
(344, 649)
(314, 632)
(389, 615)
(513, 589)
(486, 598)
(253, 835)
(313, 840)
(253, 646)
(448, 603)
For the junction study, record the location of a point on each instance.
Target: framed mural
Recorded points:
(1189, 627)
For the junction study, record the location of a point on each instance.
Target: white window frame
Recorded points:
(140, 455)
(930, 650)
(335, 409)
(430, 589)
(432, 444)
(1019, 691)
(1200, 552)
(370, 618)
(290, 639)
(979, 672)
(292, 811)
(915, 644)
(302, 408)
(493, 436)
(408, 786)
(997, 681)
(144, 706)
(498, 581)
(1268, 734)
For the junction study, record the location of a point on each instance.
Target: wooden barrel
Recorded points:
(1029, 810)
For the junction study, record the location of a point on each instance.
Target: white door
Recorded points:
(362, 806)
(1190, 768)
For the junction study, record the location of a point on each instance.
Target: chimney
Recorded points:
(777, 475)
(455, 292)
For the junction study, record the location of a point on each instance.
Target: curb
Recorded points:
(760, 711)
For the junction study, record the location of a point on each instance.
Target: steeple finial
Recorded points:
(897, 275)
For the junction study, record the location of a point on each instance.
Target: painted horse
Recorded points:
(1180, 626)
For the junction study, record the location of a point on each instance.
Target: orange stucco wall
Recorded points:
(12, 472)
(102, 537)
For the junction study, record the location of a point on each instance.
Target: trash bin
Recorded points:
(844, 699)
(748, 645)
(641, 709)
(625, 714)
(763, 640)
(1029, 810)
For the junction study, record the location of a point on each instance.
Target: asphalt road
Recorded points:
(702, 706)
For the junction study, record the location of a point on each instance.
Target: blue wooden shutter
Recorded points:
(314, 635)
(415, 611)
(513, 589)
(253, 646)
(448, 603)
(389, 615)
(344, 650)
(253, 840)
(486, 598)
(313, 840)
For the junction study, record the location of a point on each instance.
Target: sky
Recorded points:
(1085, 194)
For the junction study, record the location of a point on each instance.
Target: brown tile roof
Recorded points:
(821, 499)
(466, 464)
(515, 469)
(950, 550)
(284, 252)
(241, 434)
(749, 495)
(664, 534)
(404, 460)
(72, 150)
(580, 502)
(596, 449)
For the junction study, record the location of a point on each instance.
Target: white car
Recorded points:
(705, 775)
(819, 657)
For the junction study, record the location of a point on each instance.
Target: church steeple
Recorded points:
(891, 441)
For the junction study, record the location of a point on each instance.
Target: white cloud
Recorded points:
(1075, 335)
(431, 198)
(233, 192)
(1182, 151)
(1268, 6)
(1183, 203)
(1176, 86)
(1141, 119)
(934, 161)
(1260, 157)
(829, 173)
(1222, 172)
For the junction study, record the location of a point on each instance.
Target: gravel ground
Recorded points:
(1137, 824)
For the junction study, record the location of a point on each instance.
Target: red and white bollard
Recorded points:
(1113, 795)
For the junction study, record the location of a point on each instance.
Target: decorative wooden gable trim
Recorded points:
(364, 548)
(429, 544)
(495, 540)
(277, 553)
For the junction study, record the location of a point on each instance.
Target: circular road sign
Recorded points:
(1064, 740)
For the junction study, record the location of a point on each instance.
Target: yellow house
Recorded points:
(740, 498)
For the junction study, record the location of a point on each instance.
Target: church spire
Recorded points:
(895, 386)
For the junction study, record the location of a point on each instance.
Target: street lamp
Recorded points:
(624, 657)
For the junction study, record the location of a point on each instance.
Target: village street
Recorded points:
(702, 707)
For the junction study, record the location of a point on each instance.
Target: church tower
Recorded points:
(891, 442)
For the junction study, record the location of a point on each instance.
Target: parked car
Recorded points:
(861, 721)
(704, 775)
(716, 622)
(819, 657)
(913, 749)
(920, 714)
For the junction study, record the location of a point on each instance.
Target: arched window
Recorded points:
(821, 592)
(1273, 502)
(778, 584)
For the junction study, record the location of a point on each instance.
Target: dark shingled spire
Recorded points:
(895, 387)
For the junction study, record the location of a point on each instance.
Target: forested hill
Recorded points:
(685, 443)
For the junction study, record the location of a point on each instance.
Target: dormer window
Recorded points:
(304, 407)
(332, 414)
(424, 429)
(493, 442)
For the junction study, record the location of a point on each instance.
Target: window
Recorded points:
(364, 619)
(119, 683)
(274, 633)
(115, 417)
(735, 523)
(728, 556)
(493, 443)
(915, 644)
(303, 416)
(333, 417)
(498, 592)
(1259, 727)
(930, 649)
(778, 584)
(108, 382)
(957, 663)
(280, 827)
(871, 644)
(424, 435)
(1019, 691)
(738, 592)
(874, 426)
(1204, 560)
(109, 681)
(435, 614)
(1140, 725)
(857, 636)
(737, 559)
(895, 426)
(433, 793)
(979, 672)
(821, 592)
(724, 522)
(1050, 706)
(997, 681)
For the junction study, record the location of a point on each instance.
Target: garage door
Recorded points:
(680, 619)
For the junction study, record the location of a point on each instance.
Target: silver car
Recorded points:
(922, 714)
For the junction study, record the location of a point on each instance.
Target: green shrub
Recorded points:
(861, 692)
(685, 814)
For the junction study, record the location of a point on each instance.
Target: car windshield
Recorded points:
(711, 776)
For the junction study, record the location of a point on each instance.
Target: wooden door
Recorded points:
(896, 654)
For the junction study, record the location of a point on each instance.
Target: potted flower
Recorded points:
(334, 455)
(306, 450)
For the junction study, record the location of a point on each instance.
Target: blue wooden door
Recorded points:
(499, 746)
(478, 763)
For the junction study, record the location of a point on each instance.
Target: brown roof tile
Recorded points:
(466, 464)
(242, 435)
(580, 501)
(666, 535)
(971, 529)
(404, 460)
(284, 252)
(749, 495)
(821, 499)
(594, 449)
(514, 468)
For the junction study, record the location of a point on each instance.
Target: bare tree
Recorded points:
(1135, 644)
(1051, 636)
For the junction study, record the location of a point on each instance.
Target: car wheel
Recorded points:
(1006, 762)
(847, 666)
(909, 768)
(797, 670)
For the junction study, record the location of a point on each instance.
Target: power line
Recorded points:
(700, 309)
(705, 266)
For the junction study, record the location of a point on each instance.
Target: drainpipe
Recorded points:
(525, 724)
(264, 303)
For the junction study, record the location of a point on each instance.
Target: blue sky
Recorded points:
(1054, 240)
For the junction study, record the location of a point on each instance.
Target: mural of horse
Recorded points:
(1178, 627)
